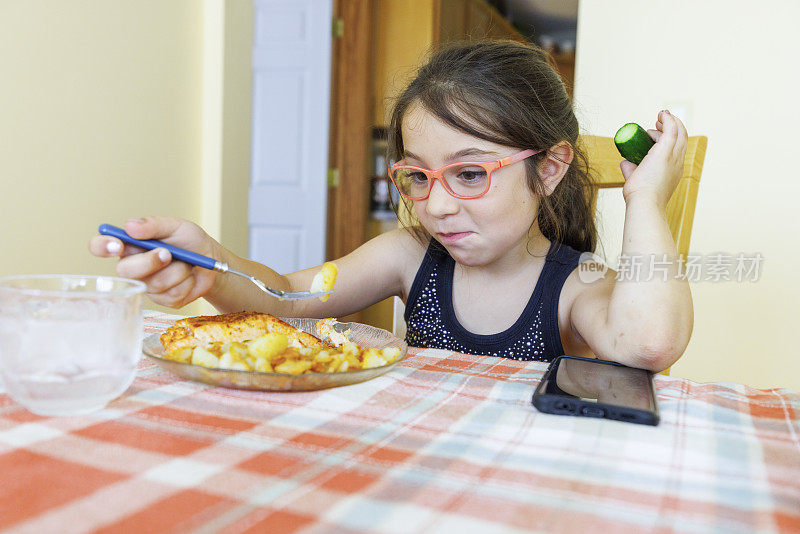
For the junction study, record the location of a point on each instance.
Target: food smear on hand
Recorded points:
(324, 280)
(633, 142)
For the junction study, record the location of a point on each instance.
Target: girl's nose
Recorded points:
(440, 202)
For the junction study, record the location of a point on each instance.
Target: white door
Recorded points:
(291, 101)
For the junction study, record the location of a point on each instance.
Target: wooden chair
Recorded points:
(605, 159)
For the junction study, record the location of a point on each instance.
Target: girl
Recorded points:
(499, 193)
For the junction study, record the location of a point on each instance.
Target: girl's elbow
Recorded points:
(660, 352)
(661, 347)
(656, 360)
(648, 354)
(651, 346)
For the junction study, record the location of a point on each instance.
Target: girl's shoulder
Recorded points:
(401, 249)
(404, 239)
(565, 275)
(590, 282)
(587, 275)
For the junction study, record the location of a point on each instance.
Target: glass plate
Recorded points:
(364, 335)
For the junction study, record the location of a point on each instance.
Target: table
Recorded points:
(445, 443)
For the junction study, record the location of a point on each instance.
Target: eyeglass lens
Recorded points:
(468, 180)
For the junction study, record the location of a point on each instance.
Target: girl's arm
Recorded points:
(644, 316)
(374, 271)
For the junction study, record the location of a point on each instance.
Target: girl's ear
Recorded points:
(555, 165)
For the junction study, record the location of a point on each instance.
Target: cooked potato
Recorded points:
(324, 279)
(236, 348)
(350, 347)
(372, 358)
(231, 361)
(293, 367)
(267, 346)
(323, 356)
(274, 353)
(182, 355)
(390, 354)
(201, 356)
(264, 366)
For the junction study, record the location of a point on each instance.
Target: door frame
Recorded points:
(352, 66)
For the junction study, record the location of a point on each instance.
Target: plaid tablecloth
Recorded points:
(445, 443)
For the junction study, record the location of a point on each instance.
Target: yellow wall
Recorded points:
(226, 112)
(732, 70)
(104, 118)
(404, 34)
(236, 124)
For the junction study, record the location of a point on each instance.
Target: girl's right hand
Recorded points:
(169, 283)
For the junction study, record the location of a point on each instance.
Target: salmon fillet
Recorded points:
(240, 326)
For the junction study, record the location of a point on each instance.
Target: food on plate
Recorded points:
(326, 331)
(231, 327)
(261, 342)
(324, 279)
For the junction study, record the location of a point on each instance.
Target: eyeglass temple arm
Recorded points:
(517, 157)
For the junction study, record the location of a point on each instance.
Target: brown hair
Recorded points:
(508, 93)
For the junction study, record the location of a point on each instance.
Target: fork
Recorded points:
(193, 258)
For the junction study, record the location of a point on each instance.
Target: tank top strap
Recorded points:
(435, 256)
(561, 261)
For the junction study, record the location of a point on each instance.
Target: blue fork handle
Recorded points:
(186, 256)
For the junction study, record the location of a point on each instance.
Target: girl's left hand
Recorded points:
(661, 169)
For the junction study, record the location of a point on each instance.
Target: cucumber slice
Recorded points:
(633, 142)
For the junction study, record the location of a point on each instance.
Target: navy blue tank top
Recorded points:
(431, 320)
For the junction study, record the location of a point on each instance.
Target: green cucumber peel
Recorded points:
(633, 142)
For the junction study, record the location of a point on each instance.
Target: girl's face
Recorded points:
(478, 231)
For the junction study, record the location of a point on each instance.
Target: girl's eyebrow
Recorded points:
(472, 151)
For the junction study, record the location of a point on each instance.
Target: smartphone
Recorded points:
(589, 387)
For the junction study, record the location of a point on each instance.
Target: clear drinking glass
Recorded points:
(69, 344)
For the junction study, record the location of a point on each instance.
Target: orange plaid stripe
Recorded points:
(194, 420)
(273, 464)
(276, 521)
(137, 436)
(318, 442)
(347, 481)
(33, 483)
(177, 513)
(389, 455)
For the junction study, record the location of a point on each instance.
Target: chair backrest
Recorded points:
(605, 159)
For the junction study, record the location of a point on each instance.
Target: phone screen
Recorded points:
(597, 388)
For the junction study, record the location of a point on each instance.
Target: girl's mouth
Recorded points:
(453, 237)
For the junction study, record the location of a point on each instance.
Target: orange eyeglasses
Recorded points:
(465, 179)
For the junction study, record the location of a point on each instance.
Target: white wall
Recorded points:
(731, 68)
